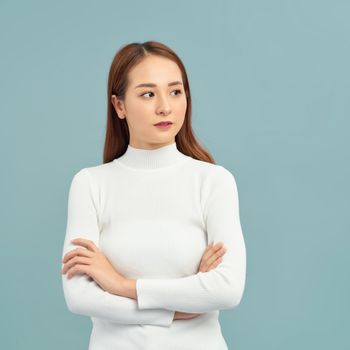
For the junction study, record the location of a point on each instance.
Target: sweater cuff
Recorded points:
(146, 296)
(146, 300)
(166, 317)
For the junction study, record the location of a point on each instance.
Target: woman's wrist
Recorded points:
(129, 288)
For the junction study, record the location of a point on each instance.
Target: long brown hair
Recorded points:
(117, 132)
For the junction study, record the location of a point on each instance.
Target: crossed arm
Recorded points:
(154, 301)
(84, 296)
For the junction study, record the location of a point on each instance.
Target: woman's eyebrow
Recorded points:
(154, 85)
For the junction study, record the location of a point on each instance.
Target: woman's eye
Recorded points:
(179, 92)
(149, 92)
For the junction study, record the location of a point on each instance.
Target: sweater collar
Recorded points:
(140, 158)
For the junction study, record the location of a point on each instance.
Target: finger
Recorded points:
(211, 251)
(209, 246)
(208, 267)
(77, 251)
(205, 260)
(70, 254)
(215, 263)
(76, 260)
(210, 260)
(79, 268)
(85, 243)
(207, 249)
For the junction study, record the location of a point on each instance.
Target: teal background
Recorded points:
(270, 85)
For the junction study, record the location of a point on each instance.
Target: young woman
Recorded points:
(154, 246)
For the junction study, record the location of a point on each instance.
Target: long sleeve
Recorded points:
(221, 287)
(83, 295)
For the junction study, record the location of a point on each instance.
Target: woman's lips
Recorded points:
(164, 125)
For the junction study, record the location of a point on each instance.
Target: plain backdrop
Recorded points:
(270, 86)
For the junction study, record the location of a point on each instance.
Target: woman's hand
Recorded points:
(211, 258)
(93, 263)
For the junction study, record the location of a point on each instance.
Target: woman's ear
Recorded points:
(118, 106)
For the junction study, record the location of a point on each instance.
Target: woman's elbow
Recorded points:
(74, 303)
(233, 296)
(74, 298)
(234, 299)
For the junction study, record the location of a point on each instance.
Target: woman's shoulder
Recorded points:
(215, 178)
(210, 170)
(95, 173)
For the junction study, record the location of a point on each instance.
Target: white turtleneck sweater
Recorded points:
(152, 213)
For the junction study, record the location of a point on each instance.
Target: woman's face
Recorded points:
(145, 106)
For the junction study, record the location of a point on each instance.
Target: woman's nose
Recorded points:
(164, 106)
